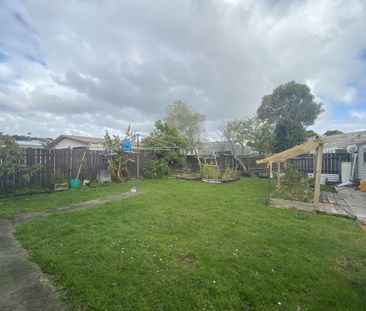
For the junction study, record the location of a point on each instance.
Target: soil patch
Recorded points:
(188, 260)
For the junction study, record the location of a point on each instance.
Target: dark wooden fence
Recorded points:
(331, 163)
(57, 165)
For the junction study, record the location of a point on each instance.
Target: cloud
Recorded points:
(359, 115)
(96, 65)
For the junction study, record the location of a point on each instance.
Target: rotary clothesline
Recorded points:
(127, 147)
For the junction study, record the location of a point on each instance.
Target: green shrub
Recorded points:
(295, 186)
(228, 173)
(211, 171)
(156, 169)
(13, 165)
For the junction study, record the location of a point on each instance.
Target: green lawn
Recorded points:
(184, 245)
(29, 203)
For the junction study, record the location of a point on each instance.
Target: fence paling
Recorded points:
(66, 162)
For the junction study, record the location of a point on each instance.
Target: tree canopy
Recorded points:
(165, 142)
(290, 101)
(289, 110)
(310, 134)
(189, 123)
(332, 132)
(288, 134)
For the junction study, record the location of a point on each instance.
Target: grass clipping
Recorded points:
(295, 186)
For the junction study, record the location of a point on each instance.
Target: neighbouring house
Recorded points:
(213, 148)
(33, 144)
(353, 143)
(344, 157)
(73, 141)
(361, 172)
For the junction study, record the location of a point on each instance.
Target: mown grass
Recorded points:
(184, 245)
(37, 202)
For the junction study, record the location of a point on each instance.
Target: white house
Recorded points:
(355, 143)
(72, 141)
(361, 169)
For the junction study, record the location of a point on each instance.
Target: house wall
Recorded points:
(66, 143)
(361, 162)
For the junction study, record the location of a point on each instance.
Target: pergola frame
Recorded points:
(294, 152)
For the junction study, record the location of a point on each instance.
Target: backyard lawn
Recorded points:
(184, 245)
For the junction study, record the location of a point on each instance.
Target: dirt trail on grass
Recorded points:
(23, 286)
(22, 218)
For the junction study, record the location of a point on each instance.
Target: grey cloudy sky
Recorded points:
(79, 67)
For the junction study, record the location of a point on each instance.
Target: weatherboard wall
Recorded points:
(362, 161)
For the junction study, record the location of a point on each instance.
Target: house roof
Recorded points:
(81, 139)
(30, 143)
(212, 147)
(344, 140)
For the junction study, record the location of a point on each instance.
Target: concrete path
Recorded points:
(23, 286)
(356, 200)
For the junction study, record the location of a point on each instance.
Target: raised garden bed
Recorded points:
(322, 208)
(209, 180)
(288, 204)
(189, 177)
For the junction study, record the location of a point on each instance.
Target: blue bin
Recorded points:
(74, 183)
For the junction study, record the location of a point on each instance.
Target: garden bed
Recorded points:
(288, 204)
(220, 181)
(322, 208)
(210, 180)
(189, 177)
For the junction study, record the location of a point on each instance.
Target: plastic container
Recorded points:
(363, 185)
(74, 183)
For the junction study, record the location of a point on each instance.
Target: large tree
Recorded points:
(189, 123)
(288, 134)
(291, 106)
(165, 143)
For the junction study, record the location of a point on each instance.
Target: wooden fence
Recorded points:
(58, 165)
(331, 163)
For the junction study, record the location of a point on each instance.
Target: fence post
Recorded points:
(318, 173)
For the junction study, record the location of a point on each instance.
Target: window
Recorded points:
(364, 154)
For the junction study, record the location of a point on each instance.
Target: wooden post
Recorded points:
(270, 170)
(278, 174)
(138, 161)
(318, 172)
